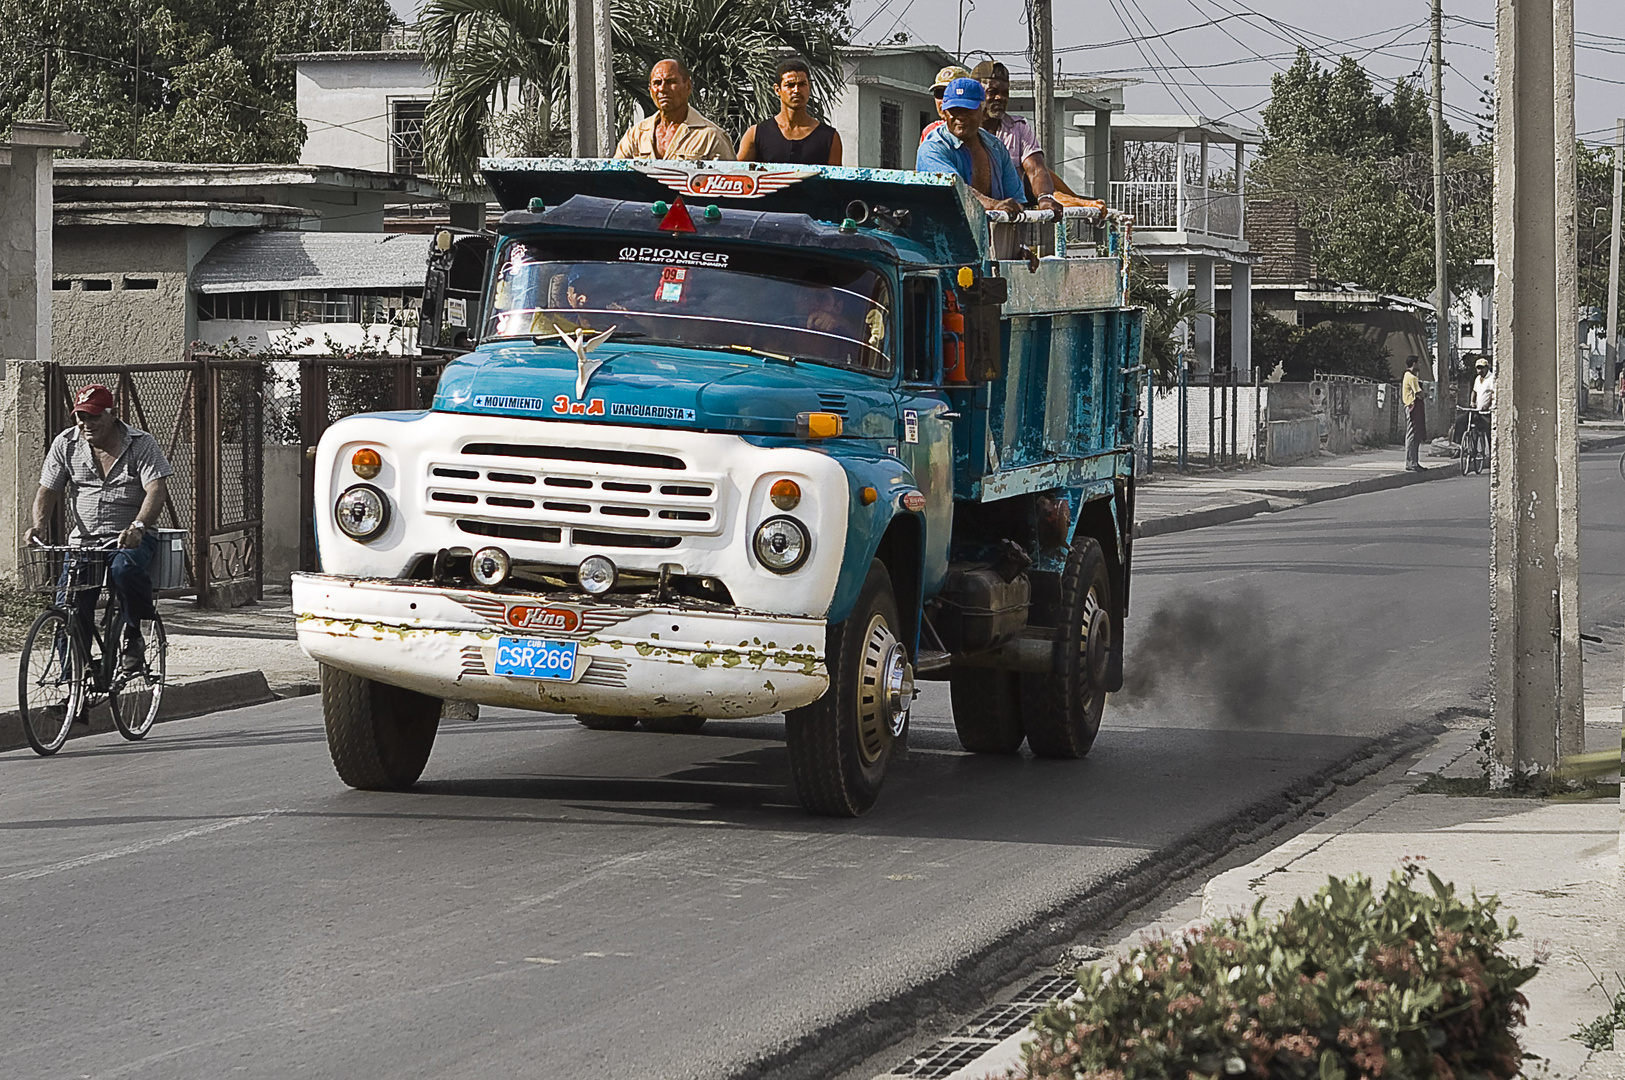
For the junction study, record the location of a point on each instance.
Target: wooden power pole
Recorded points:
(1041, 42)
(1534, 490)
(1611, 346)
(1443, 317)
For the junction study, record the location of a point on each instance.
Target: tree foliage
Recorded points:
(1360, 168)
(484, 52)
(173, 80)
(1329, 348)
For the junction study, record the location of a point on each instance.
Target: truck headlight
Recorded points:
(362, 512)
(782, 544)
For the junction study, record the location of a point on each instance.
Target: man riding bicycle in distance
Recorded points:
(119, 480)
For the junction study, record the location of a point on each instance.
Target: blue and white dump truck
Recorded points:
(726, 440)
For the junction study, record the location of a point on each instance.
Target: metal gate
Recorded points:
(331, 388)
(208, 417)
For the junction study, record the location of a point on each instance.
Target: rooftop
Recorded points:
(279, 261)
(112, 174)
(1167, 127)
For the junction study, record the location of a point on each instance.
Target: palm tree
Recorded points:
(483, 52)
(1165, 312)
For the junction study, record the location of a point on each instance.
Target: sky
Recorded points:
(1215, 57)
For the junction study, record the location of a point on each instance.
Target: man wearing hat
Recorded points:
(944, 77)
(119, 480)
(1483, 394)
(961, 147)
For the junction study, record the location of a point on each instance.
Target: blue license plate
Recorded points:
(534, 658)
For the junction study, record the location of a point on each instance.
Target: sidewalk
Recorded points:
(1168, 501)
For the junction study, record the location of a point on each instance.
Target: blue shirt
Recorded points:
(944, 152)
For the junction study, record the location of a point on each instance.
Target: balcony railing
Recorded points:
(1174, 207)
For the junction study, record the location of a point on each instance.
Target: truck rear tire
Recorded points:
(606, 723)
(1063, 707)
(841, 744)
(379, 735)
(673, 725)
(987, 709)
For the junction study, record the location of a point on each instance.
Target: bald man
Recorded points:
(675, 131)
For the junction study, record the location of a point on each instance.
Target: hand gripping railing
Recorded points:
(1031, 223)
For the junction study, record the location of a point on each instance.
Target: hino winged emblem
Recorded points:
(581, 344)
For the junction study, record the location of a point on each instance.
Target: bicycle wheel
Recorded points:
(50, 682)
(138, 689)
(1467, 450)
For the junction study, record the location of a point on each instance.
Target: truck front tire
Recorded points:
(379, 735)
(841, 744)
(1063, 707)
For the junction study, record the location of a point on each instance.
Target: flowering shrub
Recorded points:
(1411, 983)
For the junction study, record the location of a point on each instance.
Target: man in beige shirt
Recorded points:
(675, 131)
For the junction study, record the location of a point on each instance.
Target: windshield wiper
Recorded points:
(778, 357)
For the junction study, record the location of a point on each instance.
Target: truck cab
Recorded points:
(733, 440)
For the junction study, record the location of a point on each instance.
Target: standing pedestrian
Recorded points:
(1416, 424)
(675, 131)
(794, 135)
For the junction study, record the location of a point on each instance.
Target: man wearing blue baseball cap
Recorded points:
(961, 147)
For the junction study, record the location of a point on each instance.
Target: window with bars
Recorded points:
(891, 135)
(406, 136)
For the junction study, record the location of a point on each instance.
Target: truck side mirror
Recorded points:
(453, 287)
(983, 303)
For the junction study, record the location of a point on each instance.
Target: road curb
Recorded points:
(1611, 442)
(185, 698)
(1200, 519)
(1221, 515)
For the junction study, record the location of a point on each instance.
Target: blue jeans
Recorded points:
(127, 577)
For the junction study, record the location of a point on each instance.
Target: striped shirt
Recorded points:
(103, 506)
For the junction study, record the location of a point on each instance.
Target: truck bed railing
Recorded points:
(1072, 232)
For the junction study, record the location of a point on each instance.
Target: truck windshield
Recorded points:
(822, 310)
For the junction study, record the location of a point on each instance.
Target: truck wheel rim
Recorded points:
(1095, 648)
(876, 689)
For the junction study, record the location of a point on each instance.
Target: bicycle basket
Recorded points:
(54, 570)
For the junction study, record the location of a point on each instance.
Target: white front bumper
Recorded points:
(632, 659)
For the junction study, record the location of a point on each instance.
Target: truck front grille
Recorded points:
(575, 495)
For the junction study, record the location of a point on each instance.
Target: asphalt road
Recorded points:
(554, 902)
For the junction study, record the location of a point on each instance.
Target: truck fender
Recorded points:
(882, 529)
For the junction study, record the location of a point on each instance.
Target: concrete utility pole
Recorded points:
(592, 73)
(1441, 269)
(1042, 45)
(1534, 493)
(1611, 345)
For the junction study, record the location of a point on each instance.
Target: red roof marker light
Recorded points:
(677, 219)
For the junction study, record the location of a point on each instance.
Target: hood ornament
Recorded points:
(581, 345)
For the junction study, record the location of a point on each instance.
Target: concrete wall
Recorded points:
(1349, 414)
(22, 452)
(25, 254)
(119, 294)
(344, 104)
(281, 509)
(1290, 440)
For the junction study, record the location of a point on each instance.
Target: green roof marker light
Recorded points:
(537, 205)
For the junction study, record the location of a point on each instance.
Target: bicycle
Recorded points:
(69, 667)
(1475, 441)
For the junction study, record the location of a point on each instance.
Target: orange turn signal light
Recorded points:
(366, 463)
(818, 425)
(786, 494)
(867, 496)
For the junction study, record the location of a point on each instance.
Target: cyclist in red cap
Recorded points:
(119, 481)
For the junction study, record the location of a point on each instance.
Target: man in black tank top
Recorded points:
(794, 135)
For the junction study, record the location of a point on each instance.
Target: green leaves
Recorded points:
(174, 80)
(1348, 983)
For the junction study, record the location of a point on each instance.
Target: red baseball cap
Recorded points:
(93, 400)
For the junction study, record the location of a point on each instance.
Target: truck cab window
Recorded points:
(921, 353)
